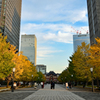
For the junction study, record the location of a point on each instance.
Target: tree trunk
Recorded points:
(86, 83)
(18, 83)
(24, 83)
(97, 82)
(7, 83)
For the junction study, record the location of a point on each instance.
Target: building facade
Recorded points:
(10, 16)
(79, 38)
(52, 76)
(41, 68)
(94, 19)
(29, 47)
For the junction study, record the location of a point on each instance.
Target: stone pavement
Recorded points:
(59, 93)
(18, 94)
(87, 94)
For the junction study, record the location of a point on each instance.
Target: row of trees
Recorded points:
(10, 58)
(81, 61)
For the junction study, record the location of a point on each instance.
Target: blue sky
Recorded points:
(51, 22)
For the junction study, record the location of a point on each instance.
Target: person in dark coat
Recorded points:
(69, 84)
(53, 85)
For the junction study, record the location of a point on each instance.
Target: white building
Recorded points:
(79, 38)
(29, 47)
(41, 68)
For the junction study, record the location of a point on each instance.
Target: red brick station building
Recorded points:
(52, 76)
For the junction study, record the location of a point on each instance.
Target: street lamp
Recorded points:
(71, 75)
(62, 80)
(91, 69)
(65, 79)
(72, 79)
(13, 80)
(38, 80)
(32, 80)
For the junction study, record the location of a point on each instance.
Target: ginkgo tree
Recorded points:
(14, 50)
(28, 70)
(10, 58)
(40, 77)
(71, 71)
(6, 56)
(19, 60)
(24, 69)
(64, 76)
(80, 61)
(94, 58)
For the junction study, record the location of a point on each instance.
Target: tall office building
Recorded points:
(94, 19)
(10, 15)
(41, 68)
(79, 38)
(29, 47)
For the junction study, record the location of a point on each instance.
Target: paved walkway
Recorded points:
(59, 93)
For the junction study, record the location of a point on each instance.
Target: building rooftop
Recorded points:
(51, 73)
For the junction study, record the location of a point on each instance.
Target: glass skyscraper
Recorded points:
(94, 19)
(29, 47)
(41, 68)
(10, 16)
(79, 38)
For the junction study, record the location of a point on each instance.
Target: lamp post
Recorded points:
(91, 69)
(13, 80)
(38, 80)
(72, 75)
(65, 79)
(62, 80)
(32, 80)
(72, 79)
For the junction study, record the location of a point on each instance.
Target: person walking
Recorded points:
(70, 85)
(53, 85)
(67, 87)
(42, 85)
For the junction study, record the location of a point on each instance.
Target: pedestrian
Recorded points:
(15, 85)
(70, 85)
(35, 85)
(51, 84)
(67, 87)
(42, 85)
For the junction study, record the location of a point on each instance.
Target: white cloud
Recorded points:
(60, 37)
(53, 11)
(78, 15)
(53, 32)
(44, 52)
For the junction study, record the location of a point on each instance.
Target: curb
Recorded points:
(4, 89)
